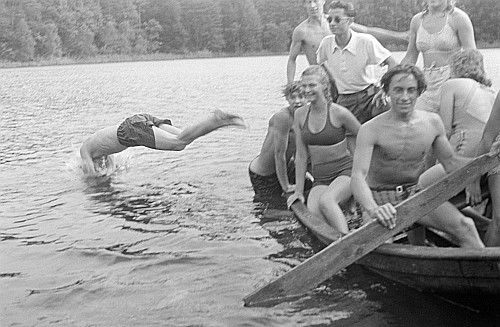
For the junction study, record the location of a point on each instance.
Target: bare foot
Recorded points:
(227, 119)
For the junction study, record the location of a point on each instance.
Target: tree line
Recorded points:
(47, 29)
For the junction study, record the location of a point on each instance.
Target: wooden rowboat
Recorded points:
(441, 270)
(438, 270)
(348, 249)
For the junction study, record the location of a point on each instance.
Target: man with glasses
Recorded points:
(351, 58)
(307, 35)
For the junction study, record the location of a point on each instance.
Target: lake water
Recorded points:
(173, 239)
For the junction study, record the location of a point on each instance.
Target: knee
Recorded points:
(467, 225)
(178, 146)
(327, 201)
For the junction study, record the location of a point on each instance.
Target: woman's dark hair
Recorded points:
(404, 69)
(289, 88)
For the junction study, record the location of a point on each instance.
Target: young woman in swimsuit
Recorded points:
(466, 101)
(321, 128)
(437, 32)
(491, 133)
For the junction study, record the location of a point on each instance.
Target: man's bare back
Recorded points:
(279, 122)
(149, 131)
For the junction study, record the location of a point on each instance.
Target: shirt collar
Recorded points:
(351, 46)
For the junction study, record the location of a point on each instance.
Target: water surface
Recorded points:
(173, 239)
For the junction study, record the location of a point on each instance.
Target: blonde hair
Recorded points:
(449, 8)
(324, 78)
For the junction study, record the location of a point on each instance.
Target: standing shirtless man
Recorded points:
(307, 36)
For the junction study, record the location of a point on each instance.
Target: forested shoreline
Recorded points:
(61, 31)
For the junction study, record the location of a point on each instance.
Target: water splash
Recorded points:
(120, 163)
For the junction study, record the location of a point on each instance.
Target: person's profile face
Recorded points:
(403, 92)
(314, 7)
(296, 99)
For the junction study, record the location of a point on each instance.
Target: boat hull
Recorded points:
(438, 270)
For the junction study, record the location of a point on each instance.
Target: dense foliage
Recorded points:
(47, 29)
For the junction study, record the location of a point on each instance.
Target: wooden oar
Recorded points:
(355, 245)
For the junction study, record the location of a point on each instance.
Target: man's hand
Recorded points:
(380, 99)
(495, 147)
(473, 193)
(385, 214)
(294, 197)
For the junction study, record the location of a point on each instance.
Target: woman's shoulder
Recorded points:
(458, 83)
(338, 110)
(457, 12)
(458, 16)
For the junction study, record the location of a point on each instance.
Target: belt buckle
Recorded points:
(399, 189)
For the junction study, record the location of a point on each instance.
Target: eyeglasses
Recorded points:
(336, 19)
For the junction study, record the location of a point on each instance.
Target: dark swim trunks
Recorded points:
(265, 187)
(138, 130)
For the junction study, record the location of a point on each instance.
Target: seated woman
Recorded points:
(321, 128)
(491, 132)
(466, 101)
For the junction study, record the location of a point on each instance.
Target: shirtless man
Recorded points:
(270, 170)
(390, 153)
(146, 130)
(307, 35)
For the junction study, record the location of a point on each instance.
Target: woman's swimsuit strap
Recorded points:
(329, 135)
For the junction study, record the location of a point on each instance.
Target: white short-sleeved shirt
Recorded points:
(353, 67)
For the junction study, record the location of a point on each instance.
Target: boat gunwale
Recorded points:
(438, 253)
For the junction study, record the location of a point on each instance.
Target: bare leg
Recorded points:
(314, 198)
(492, 237)
(338, 191)
(167, 139)
(448, 219)
(431, 175)
(323, 201)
